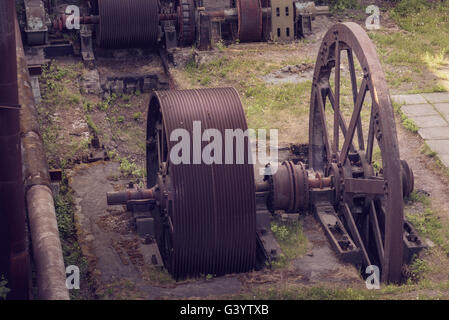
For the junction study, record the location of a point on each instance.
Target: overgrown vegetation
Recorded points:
(408, 123)
(291, 239)
(129, 168)
(4, 290)
(64, 205)
(420, 47)
(427, 222)
(339, 5)
(267, 105)
(61, 95)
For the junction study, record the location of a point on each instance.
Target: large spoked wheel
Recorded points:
(355, 141)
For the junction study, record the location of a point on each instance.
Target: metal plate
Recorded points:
(213, 206)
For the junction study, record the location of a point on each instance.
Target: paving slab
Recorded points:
(430, 112)
(439, 146)
(438, 133)
(429, 121)
(409, 98)
(419, 110)
(436, 97)
(442, 108)
(444, 158)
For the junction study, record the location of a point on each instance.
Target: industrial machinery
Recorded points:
(204, 217)
(172, 23)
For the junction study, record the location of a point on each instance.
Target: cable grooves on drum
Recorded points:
(128, 23)
(249, 20)
(214, 206)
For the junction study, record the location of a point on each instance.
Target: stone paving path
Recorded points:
(430, 112)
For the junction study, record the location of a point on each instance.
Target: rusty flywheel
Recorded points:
(367, 163)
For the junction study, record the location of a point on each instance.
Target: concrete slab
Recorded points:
(438, 133)
(443, 108)
(439, 146)
(436, 97)
(419, 110)
(409, 98)
(429, 121)
(444, 158)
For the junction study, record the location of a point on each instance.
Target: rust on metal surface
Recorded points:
(128, 23)
(354, 156)
(208, 213)
(122, 197)
(290, 190)
(187, 22)
(46, 245)
(249, 20)
(14, 258)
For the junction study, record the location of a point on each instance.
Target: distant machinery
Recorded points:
(172, 23)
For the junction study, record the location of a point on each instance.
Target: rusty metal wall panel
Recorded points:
(14, 260)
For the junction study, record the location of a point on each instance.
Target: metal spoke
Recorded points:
(355, 117)
(343, 126)
(355, 233)
(370, 143)
(376, 232)
(337, 98)
(318, 96)
(354, 95)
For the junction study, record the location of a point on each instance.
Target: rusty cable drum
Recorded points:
(128, 23)
(249, 20)
(207, 223)
(375, 220)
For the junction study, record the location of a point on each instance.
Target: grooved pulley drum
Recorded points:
(128, 23)
(206, 220)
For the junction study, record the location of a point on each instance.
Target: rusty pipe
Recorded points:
(122, 197)
(46, 245)
(14, 258)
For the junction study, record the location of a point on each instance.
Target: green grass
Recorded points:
(427, 222)
(64, 204)
(418, 46)
(408, 123)
(91, 124)
(291, 239)
(4, 290)
(321, 292)
(131, 169)
(266, 105)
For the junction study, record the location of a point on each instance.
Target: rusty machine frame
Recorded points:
(205, 217)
